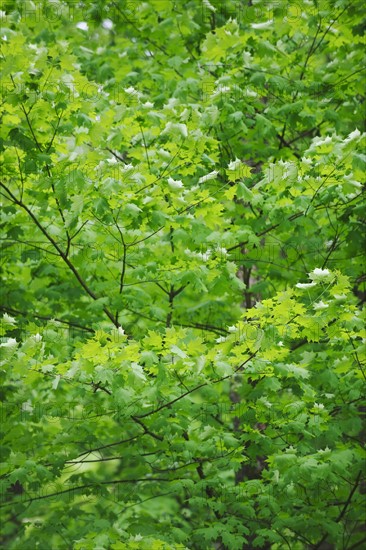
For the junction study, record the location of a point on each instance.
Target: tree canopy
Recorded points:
(182, 333)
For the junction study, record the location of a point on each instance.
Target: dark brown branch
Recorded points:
(170, 307)
(146, 430)
(87, 486)
(98, 386)
(46, 318)
(146, 149)
(196, 388)
(343, 511)
(60, 252)
(118, 157)
(109, 445)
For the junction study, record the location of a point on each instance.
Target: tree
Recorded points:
(182, 329)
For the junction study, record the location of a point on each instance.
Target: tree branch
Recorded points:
(196, 388)
(343, 511)
(87, 486)
(60, 252)
(46, 318)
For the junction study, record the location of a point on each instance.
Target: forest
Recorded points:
(182, 310)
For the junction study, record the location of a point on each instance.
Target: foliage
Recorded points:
(182, 332)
